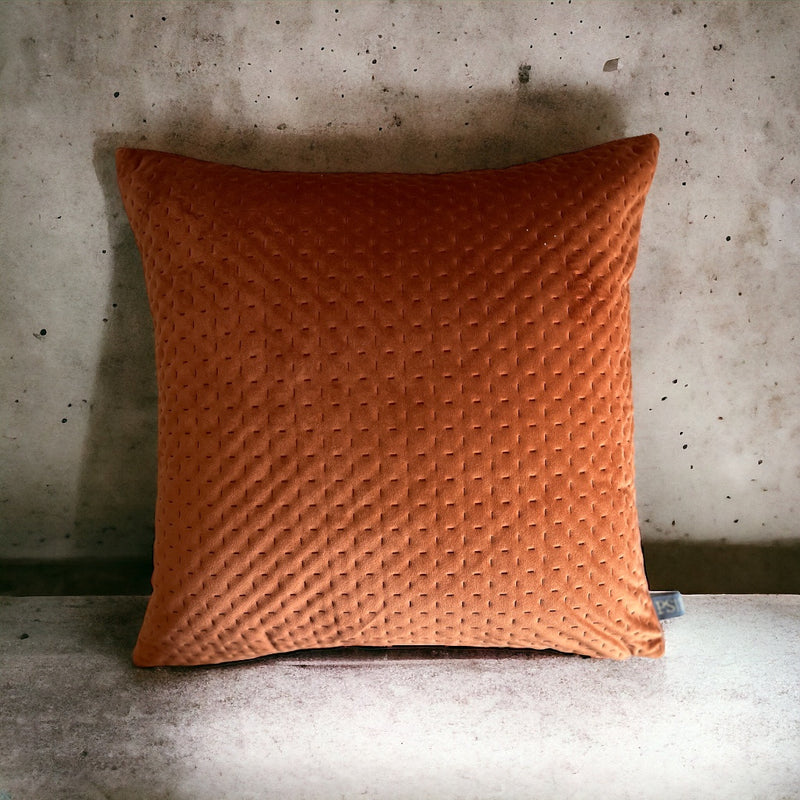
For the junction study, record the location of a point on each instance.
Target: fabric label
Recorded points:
(668, 604)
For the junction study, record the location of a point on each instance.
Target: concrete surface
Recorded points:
(717, 717)
(355, 84)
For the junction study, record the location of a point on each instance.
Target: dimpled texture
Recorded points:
(393, 409)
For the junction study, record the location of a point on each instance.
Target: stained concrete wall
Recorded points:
(401, 86)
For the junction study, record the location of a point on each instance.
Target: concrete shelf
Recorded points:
(717, 717)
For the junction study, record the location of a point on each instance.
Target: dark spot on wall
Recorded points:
(63, 420)
(43, 332)
(116, 94)
(24, 636)
(717, 47)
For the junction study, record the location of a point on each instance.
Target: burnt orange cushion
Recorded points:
(393, 409)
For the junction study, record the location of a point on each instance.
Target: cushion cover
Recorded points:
(394, 409)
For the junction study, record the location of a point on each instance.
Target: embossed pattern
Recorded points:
(393, 409)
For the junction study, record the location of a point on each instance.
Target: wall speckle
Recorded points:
(412, 86)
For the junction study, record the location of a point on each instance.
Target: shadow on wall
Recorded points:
(117, 483)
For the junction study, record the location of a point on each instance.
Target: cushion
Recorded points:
(394, 409)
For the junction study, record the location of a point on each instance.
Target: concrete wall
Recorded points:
(401, 86)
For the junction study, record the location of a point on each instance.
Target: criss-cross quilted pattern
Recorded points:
(393, 409)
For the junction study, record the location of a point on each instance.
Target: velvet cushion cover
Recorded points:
(393, 409)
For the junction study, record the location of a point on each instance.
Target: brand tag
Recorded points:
(668, 604)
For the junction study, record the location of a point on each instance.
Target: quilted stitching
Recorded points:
(393, 409)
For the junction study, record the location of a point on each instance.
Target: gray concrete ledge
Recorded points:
(717, 717)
